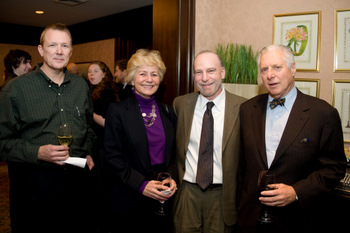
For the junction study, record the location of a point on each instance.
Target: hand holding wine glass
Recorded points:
(64, 135)
(165, 179)
(265, 179)
(279, 195)
(55, 153)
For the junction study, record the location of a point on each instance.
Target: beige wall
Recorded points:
(251, 22)
(94, 51)
(102, 50)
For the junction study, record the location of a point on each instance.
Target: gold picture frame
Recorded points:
(342, 40)
(341, 101)
(302, 33)
(308, 86)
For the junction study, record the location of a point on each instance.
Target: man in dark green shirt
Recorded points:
(46, 194)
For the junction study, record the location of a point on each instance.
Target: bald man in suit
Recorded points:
(299, 138)
(211, 209)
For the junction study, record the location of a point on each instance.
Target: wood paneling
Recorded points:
(173, 36)
(187, 43)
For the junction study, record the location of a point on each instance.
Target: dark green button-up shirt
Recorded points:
(31, 109)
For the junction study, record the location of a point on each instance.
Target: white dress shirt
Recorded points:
(276, 120)
(218, 112)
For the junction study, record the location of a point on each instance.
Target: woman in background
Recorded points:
(104, 91)
(139, 143)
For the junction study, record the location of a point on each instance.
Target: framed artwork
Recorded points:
(308, 86)
(342, 40)
(301, 32)
(341, 101)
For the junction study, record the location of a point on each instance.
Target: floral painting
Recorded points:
(300, 32)
(297, 38)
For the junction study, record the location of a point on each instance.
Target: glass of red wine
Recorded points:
(165, 178)
(265, 178)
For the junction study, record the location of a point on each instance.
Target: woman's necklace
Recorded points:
(151, 118)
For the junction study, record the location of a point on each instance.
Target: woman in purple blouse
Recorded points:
(139, 143)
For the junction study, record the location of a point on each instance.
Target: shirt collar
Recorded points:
(290, 99)
(66, 74)
(219, 101)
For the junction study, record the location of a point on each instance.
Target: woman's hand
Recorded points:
(173, 187)
(99, 120)
(153, 190)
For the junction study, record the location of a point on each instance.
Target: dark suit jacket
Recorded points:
(310, 157)
(184, 108)
(126, 151)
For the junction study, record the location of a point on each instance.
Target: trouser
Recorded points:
(48, 199)
(198, 211)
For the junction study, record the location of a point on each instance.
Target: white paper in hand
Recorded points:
(79, 162)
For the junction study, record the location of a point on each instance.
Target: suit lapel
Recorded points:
(230, 119)
(135, 124)
(296, 121)
(258, 117)
(188, 115)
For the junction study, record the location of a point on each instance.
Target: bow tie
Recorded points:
(275, 102)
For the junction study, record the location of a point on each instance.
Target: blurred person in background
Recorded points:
(17, 62)
(125, 89)
(104, 91)
(73, 68)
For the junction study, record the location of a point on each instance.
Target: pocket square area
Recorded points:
(305, 140)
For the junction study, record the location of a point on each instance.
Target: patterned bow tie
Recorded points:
(275, 102)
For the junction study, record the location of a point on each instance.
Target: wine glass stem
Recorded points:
(266, 212)
(162, 207)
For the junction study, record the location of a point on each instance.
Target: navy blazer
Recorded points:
(126, 149)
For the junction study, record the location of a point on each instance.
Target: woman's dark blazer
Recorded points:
(127, 153)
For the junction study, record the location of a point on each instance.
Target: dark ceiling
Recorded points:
(22, 12)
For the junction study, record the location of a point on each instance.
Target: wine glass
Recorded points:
(165, 178)
(265, 178)
(64, 135)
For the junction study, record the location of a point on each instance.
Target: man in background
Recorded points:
(73, 68)
(17, 62)
(125, 89)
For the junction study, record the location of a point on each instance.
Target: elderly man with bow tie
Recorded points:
(296, 136)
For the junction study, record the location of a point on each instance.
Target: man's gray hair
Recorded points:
(287, 52)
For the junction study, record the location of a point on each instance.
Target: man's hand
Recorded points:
(280, 196)
(53, 153)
